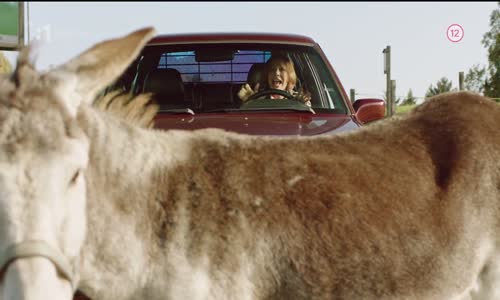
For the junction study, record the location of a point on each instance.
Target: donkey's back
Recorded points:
(407, 209)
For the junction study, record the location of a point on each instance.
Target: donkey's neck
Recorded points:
(122, 240)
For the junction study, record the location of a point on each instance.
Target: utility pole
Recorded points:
(28, 20)
(387, 71)
(353, 95)
(21, 41)
(461, 81)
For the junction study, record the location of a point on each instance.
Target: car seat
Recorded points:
(256, 74)
(167, 88)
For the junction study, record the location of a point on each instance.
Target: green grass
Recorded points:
(9, 12)
(402, 109)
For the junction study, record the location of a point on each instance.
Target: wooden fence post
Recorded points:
(393, 97)
(387, 71)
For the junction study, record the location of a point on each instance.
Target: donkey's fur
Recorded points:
(403, 209)
(139, 110)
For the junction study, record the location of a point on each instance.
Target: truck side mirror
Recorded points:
(369, 109)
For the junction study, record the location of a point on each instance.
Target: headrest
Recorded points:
(256, 74)
(165, 84)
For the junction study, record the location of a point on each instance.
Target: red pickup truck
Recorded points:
(196, 78)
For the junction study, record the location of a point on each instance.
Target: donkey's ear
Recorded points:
(97, 67)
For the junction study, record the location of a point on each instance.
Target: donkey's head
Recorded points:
(43, 157)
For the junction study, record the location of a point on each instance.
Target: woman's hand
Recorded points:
(304, 97)
(246, 91)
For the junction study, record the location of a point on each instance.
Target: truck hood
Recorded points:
(275, 124)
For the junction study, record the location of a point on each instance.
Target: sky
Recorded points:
(352, 34)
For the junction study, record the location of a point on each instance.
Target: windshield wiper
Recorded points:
(272, 104)
(222, 110)
(245, 109)
(177, 111)
(305, 109)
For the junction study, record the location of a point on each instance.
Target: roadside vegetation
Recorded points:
(484, 80)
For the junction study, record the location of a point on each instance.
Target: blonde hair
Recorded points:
(282, 58)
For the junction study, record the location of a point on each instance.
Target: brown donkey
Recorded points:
(405, 209)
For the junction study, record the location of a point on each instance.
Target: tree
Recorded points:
(475, 79)
(410, 99)
(491, 40)
(442, 86)
(397, 100)
(5, 66)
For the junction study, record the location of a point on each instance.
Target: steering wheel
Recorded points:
(270, 92)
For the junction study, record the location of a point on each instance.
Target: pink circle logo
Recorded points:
(455, 33)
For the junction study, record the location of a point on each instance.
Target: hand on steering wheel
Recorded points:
(271, 92)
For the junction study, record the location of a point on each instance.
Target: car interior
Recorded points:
(208, 78)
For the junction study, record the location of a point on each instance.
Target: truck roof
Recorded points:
(232, 37)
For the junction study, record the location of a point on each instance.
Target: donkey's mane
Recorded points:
(139, 110)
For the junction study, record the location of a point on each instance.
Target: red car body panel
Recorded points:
(289, 124)
(224, 38)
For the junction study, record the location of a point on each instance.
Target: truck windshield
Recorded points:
(210, 77)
